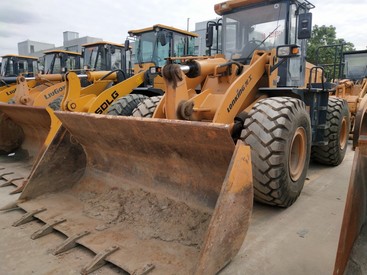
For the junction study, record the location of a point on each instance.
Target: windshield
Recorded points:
(116, 59)
(48, 63)
(355, 66)
(183, 45)
(150, 50)
(90, 58)
(4, 63)
(260, 28)
(71, 63)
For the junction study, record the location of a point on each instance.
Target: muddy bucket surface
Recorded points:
(351, 255)
(24, 131)
(154, 196)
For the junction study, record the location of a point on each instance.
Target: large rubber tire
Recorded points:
(278, 131)
(147, 107)
(125, 106)
(336, 133)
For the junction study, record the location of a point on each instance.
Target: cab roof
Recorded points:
(160, 26)
(228, 6)
(102, 43)
(21, 56)
(61, 51)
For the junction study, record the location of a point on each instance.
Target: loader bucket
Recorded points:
(351, 256)
(24, 131)
(150, 196)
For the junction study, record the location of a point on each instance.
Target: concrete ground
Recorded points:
(299, 240)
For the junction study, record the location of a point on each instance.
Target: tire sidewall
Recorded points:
(295, 187)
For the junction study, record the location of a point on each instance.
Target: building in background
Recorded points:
(71, 42)
(33, 48)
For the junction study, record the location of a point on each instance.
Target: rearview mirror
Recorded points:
(127, 45)
(162, 38)
(209, 35)
(304, 25)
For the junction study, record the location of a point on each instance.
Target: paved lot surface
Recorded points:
(300, 240)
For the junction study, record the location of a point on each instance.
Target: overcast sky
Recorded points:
(46, 20)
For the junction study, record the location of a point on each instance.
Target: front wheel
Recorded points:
(278, 131)
(125, 106)
(147, 107)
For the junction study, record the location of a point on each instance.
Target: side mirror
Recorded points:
(304, 25)
(162, 38)
(127, 45)
(288, 51)
(209, 35)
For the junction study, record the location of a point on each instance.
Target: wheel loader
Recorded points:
(351, 256)
(348, 72)
(13, 65)
(152, 46)
(173, 194)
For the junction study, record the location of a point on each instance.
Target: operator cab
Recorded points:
(13, 65)
(154, 44)
(264, 25)
(60, 62)
(104, 56)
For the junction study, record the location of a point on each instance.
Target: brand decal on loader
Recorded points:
(107, 103)
(11, 92)
(239, 93)
(55, 92)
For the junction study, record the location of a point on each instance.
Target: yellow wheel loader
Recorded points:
(351, 257)
(173, 194)
(11, 66)
(349, 74)
(152, 46)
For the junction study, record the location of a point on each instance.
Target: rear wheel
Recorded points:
(278, 130)
(336, 133)
(125, 106)
(147, 107)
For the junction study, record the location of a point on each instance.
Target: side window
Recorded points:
(179, 45)
(57, 66)
(116, 59)
(147, 52)
(10, 69)
(162, 53)
(23, 67)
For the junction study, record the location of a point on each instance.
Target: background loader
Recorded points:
(348, 72)
(152, 46)
(12, 66)
(173, 193)
(25, 131)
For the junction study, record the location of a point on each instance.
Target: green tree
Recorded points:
(324, 48)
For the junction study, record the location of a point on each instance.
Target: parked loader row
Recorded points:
(173, 194)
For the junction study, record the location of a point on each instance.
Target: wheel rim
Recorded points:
(297, 155)
(343, 134)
